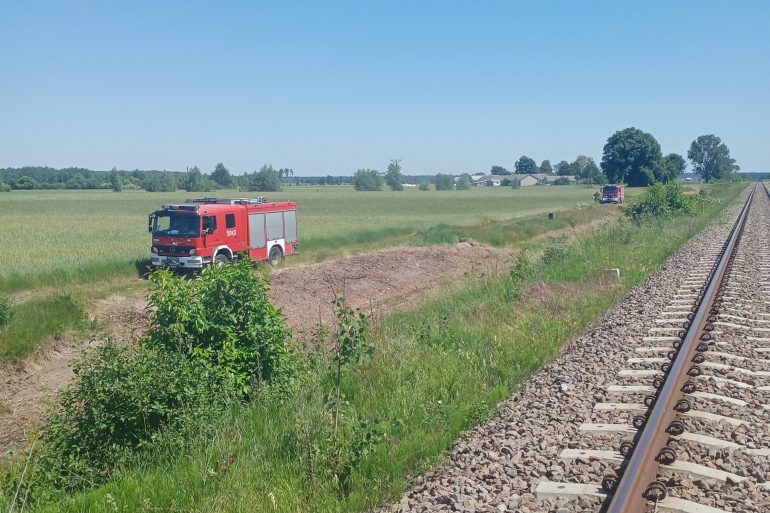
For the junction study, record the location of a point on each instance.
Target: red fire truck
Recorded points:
(216, 231)
(612, 193)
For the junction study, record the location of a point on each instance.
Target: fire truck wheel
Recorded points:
(221, 259)
(275, 256)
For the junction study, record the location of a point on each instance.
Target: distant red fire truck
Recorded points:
(216, 231)
(612, 193)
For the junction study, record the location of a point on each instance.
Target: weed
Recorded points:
(6, 312)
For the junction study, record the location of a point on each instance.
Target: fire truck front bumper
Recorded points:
(187, 262)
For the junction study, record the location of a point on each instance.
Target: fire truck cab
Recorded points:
(612, 193)
(216, 231)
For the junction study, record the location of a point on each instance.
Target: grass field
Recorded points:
(51, 237)
(437, 371)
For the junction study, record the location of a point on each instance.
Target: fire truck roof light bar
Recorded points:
(226, 201)
(169, 206)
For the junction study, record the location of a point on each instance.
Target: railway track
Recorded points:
(687, 428)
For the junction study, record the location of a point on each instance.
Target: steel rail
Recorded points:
(636, 484)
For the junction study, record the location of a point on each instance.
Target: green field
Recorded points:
(50, 236)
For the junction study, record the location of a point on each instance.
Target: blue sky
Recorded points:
(330, 87)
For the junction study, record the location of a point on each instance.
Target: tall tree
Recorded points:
(563, 168)
(525, 165)
(710, 158)
(671, 166)
(631, 156)
(115, 181)
(221, 176)
(393, 176)
(264, 180)
(499, 170)
(367, 180)
(546, 167)
(444, 182)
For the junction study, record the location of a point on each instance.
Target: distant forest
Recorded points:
(39, 177)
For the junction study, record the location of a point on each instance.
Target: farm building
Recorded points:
(524, 180)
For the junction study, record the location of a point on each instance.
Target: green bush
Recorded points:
(556, 250)
(660, 200)
(124, 402)
(4, 187)
(225, 319)
(6, 312)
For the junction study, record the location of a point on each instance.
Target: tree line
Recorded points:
(267, 179)
(630, 156)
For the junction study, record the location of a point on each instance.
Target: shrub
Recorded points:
(225, 319)
(122, 403)
(6, 312)
(424, 186)
(556, 250)
(4, 187)
(660, 200)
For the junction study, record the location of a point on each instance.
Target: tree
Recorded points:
(671, 166)
(710, 158)
(525, 165)
(115, 181)
(499, 171)
(4, 187)
(563, 168)
(196, 182)
(592, 174)
(221, 176)
(264, 180)
(444, 182)
(367, 180)
(463, 183)
(25, 183)
(393, 176)
(546, 168)
(285, 173)
(631, 156)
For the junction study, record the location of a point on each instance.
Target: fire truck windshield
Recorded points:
(175, 224)
(610, 189)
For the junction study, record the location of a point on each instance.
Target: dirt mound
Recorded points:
(379, 283)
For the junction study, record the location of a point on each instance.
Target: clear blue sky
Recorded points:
(329, 87)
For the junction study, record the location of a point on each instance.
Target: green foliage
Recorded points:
(352, 337)
(163, 182)
(196, 182)
(463, 183)
(221, 176)
(546, 167)
(6, 311)
(25, 183)
(630, 156)
(424, 186)
(660, 200)
(35, 320)
(557, 250)
(393, 176)
(670, 167)
(124, 402)
(499, 170)
(4, 187)
(710, 158)
(224, 319)
(266, 179)
(367, 180)
(525, 165)
(444, 182)
(116, 182)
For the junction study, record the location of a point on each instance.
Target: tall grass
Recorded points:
(54, 237)
(437, 371)
(35, 319)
